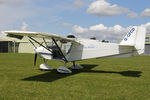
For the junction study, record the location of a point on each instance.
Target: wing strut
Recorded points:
(40, 44)
(32, 44)
(59, 50)
(45, 42)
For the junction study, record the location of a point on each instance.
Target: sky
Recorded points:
(104, 19)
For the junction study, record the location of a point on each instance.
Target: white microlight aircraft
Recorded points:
(73, 49)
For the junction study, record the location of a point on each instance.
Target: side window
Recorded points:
(67, 47)
(147, 39)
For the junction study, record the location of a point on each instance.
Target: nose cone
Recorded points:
(39, 49)
(44, 53)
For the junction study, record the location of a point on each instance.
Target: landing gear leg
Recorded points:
(45, 66)
(75, 66)
(63, 69)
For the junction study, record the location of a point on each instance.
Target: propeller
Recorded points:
(35, 58)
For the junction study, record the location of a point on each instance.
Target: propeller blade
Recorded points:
(35, 58)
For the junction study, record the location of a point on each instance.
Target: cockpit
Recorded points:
(56, 48)
(59, 49)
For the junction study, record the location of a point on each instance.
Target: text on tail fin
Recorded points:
(129, 34)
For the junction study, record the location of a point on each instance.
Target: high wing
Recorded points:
(40, 35)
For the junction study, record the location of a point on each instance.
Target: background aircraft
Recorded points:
(72, 49)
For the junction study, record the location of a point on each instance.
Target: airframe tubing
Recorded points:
(60, 50)
(40, 44)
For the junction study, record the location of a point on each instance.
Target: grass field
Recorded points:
(101, 79)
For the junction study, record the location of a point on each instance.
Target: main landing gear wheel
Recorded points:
(45, 67)
(64, 70)
(76, 66)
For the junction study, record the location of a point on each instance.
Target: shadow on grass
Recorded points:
(54, 75)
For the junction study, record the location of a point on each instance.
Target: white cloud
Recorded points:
(64, 24)
(12, 2)
(104, 8)
(98, 27)
(147, 25)
(24, 26)
(78, 3)
(132, 14)
(146, 13)
(101, 32)
(9, 15)
(79, 30)
(12, 16)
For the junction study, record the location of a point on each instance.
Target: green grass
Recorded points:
(101, 79)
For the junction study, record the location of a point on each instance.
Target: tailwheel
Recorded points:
(76, 66)
(64, 70)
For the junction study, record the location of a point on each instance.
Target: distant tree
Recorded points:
(93, 38)
(105, 41)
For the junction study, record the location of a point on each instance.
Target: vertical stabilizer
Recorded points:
(129, 39)
(136, 38)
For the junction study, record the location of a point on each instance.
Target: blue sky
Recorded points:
(74, 16)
